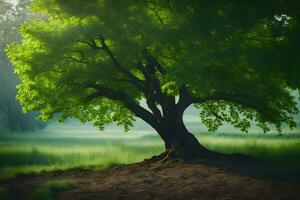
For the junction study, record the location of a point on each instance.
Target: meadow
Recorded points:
(73, 146)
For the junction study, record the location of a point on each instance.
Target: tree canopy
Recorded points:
(236, 61)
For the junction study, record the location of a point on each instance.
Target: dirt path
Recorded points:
(160, 181)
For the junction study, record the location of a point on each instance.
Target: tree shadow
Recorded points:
(248, 166)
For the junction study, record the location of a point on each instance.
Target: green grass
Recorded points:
(34, 153)
(39, 158)
(49, 190)
(64, 149)
(262, 146)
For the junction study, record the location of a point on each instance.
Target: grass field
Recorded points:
(69, 146)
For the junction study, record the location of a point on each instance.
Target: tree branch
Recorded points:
(143, 114)
(184, 98)
(152, 90)
(81, 60)
(75, 60)
(138, 110)
(102, 91)
(153, 64)
(91, 44)
(152, 105)
(134, 80)
(150, 86)
(117, 65)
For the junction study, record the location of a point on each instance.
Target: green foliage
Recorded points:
(240, 58)
(48, 190)
(11, 116)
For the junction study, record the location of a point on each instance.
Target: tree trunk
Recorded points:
(176, 137)
(186, 146)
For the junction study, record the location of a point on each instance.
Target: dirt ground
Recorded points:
(156, 180)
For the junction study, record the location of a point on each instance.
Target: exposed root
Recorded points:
(168, 155)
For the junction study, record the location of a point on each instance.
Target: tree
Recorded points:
(236, 61)
(11, 115)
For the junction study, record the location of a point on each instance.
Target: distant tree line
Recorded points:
(11, 116)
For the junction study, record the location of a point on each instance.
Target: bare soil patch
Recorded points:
(160, 180)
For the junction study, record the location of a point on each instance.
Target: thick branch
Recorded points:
(102, 91)
(138, 110)
(153, 64)
(150, 86)
(184, 98)
(152, 105)
(143, 114)
(152, 89)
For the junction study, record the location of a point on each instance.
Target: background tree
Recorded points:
(236, 61)
(12, 118)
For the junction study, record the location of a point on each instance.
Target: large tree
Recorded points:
(236, 61)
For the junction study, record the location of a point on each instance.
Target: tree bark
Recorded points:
(177, 138)
(186, 146)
